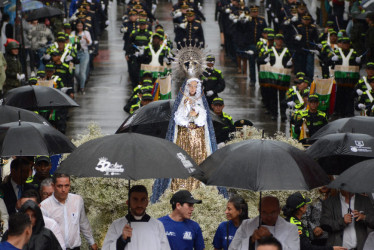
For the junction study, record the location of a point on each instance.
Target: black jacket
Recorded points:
(41, 238)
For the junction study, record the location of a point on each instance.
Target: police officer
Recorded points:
(145, 99)
(256, 26)
(213, 82)
(295, 208)
(307, 36)
(363, 83)
(313, 118)
(191, 32)
(294, 96)
(222, 131)
(328, 47)
(139, 39)
(42, 166)
(366, 100)
(152, 50)
(128, 26)
(13, 70)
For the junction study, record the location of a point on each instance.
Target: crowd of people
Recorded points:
(38, 211)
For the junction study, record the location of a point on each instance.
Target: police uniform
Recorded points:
(192, 34)
(361, 85)
(212, 81)
(146, 58)
(222, 131)
(314, 121)
(304, 60)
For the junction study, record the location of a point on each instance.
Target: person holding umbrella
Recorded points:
(271, 223)
(346, 217)
(236, 212)
(143, 233)
(295, 208)
(13, 72)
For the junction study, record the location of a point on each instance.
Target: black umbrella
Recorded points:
(13, 114)
(45, 12)
(153, 119)
(337, 152)
(29, 139)
(356, 179)
(33, 97)
(130, 156)
(356, 124)
(261, 165)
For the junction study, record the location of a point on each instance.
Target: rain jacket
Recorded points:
(13, 67)
(41, 238)
(40, 36)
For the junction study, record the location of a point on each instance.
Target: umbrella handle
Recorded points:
(128, 210)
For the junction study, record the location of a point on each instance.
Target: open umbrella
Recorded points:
(130, 156)
(337, 152)
(14, 114)
(356, 179)
(33, 97)
(356, 124)
(28, 5)
(261, 165)
(45, 12)
(30, 139)
(153, 119)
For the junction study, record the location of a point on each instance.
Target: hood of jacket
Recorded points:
(39, 225)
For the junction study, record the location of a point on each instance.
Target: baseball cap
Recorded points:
(370, 65)
(313, 98)
(183, 196)
(147, 96)
(41, 158)
(297, 200)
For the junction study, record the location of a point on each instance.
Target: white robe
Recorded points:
(284, 231)
(369, 243)
(145, 235)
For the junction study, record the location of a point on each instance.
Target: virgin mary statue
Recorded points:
(190, 125)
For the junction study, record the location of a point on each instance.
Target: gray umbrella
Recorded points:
(14, 114)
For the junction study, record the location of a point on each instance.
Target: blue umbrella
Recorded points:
(28, 5)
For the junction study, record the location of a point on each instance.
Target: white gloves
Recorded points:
(345, 16)
(20, 77)
(96, 42)
(294, 18)
(272, 14)
(177, 14)
(221, 145)
(267, 59)
(319, 46)
(298, 37)
(359, 92)
(242, 16)
(250, 52)
(276, 20)
(235, 20)
(335, 58)
(227, 10)
(331, 3)
(199, 6)
(287, 22)
(358, 59)
(124, 29)
(47, 56)
(68, 58)
(209, 93)
(289, 63)
(166, 60)
(183, 25)
(361, 106)
(137, 53)
(107, 22)
(291, 104)
(314, 51)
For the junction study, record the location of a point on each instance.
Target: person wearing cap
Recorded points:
(222, 131)
(307, 36)
(293, 95)
(249, 232)
(139, 39)
(295, 208)
(136, 230)
(146, 85)
(13, 71)
(365, 101)
(42, 167)
(145, 98)
(182, 232)
(313, 118)
(347, 217)
(190, 33)
(298, 109)
(363, 83)
(157, 52)
(279, 57)
(213, 82)
(239, 124)
(256, 26)
(328, 47)
(128, 26)
(345, 80)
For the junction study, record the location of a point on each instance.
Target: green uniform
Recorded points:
(314, 121)
(223, 131)
(14, 67)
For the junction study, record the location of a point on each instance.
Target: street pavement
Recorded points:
(109, 87)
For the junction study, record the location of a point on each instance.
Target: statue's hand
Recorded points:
(193, 113)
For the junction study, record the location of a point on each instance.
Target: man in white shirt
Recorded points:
(68, 211)
(143, 233)
(272, 224)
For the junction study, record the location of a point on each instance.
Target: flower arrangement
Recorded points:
(105, 198)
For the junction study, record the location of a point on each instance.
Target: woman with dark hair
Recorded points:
(83, 54)
(296, 206)
(236, 212)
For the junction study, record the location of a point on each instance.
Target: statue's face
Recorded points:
(192, 88)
